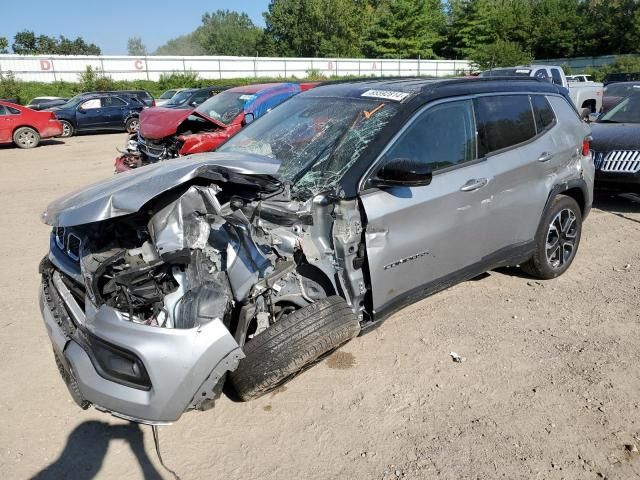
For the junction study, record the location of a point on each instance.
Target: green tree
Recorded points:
(183, 45)
(135, 47)
(228, 33)
(556, 28)
(316, 28)
(222, 32)
(27, 43)
(4, 45)
(406, 29)
(500, 53)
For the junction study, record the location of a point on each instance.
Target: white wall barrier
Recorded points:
(51, 68)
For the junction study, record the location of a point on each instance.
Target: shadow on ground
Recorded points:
(87, 446)
(618, 204)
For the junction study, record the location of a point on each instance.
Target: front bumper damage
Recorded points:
(185, 367)
(155, 279)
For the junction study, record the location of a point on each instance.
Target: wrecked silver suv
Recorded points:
(236, 270)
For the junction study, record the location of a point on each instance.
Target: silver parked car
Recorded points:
(237, 269)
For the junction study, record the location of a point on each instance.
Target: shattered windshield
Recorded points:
(627, 111)
(317, 139)
(225, 106)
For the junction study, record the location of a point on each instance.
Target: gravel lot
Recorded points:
(549, 389)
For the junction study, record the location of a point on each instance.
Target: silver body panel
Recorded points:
(179, 362)
(421, 235)
(126, 193)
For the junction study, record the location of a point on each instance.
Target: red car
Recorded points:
(25, 127)
(168, 133)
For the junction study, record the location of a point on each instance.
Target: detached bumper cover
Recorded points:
(185, 367)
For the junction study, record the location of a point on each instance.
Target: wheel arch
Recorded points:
(576, 189)
(33, 127)
(590, 104)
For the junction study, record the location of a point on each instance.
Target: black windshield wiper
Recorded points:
(607, 121)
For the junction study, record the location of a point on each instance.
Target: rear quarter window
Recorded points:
(13, 111)
(542, 112)
(504, 121)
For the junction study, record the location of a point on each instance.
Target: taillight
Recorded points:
(586, 146)
(153, 102)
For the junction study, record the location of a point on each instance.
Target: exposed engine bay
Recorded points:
(209, 255)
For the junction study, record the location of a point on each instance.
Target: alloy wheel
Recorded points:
(561, 238)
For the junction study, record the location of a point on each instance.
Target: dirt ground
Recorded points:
(550, 388)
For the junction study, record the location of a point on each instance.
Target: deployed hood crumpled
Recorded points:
(127, 193)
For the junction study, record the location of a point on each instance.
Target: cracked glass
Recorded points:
(317, 139)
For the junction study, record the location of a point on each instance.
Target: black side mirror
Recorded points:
(248, 118)
(403, 172)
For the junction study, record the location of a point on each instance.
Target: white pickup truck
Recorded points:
(586, 96)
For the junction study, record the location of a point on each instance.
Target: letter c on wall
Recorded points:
(138, 64)
(45, 65)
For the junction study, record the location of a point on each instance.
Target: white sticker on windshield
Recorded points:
(386, 94)
(247, 97)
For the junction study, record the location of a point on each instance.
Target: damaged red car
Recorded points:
(168, 133)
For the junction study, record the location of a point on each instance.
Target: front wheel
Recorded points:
(557, 240)
(292, 344)
(26, 137)
(67, 129)
(132, 125)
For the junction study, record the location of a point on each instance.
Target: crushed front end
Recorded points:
(155, 280)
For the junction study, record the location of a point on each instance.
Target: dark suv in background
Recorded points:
(192, 97)
(99, 111)
(142, 95)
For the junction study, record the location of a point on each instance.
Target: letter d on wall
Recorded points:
(45, 65)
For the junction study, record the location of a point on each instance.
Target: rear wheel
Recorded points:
(293, 344)
(132, 125)
(26, 137)
(67, 129)
(557, 239)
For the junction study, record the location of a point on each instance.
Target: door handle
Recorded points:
(474, 184)
(545, 157)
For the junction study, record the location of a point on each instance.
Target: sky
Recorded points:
(109, 23)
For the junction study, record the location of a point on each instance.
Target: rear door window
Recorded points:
(557, 76)
(112, 102)
(503, 121)
(3, 111)
(442, 136)
(542, 112)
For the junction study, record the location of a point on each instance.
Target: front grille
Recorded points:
(150, 147)
(68, 242)
(618, 161)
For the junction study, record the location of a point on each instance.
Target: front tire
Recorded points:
(67, 129)
(557, 240)
(292, 344)
(132, 125)
(26, 137)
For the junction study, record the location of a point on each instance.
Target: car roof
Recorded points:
(257, 87)
(432, 88)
